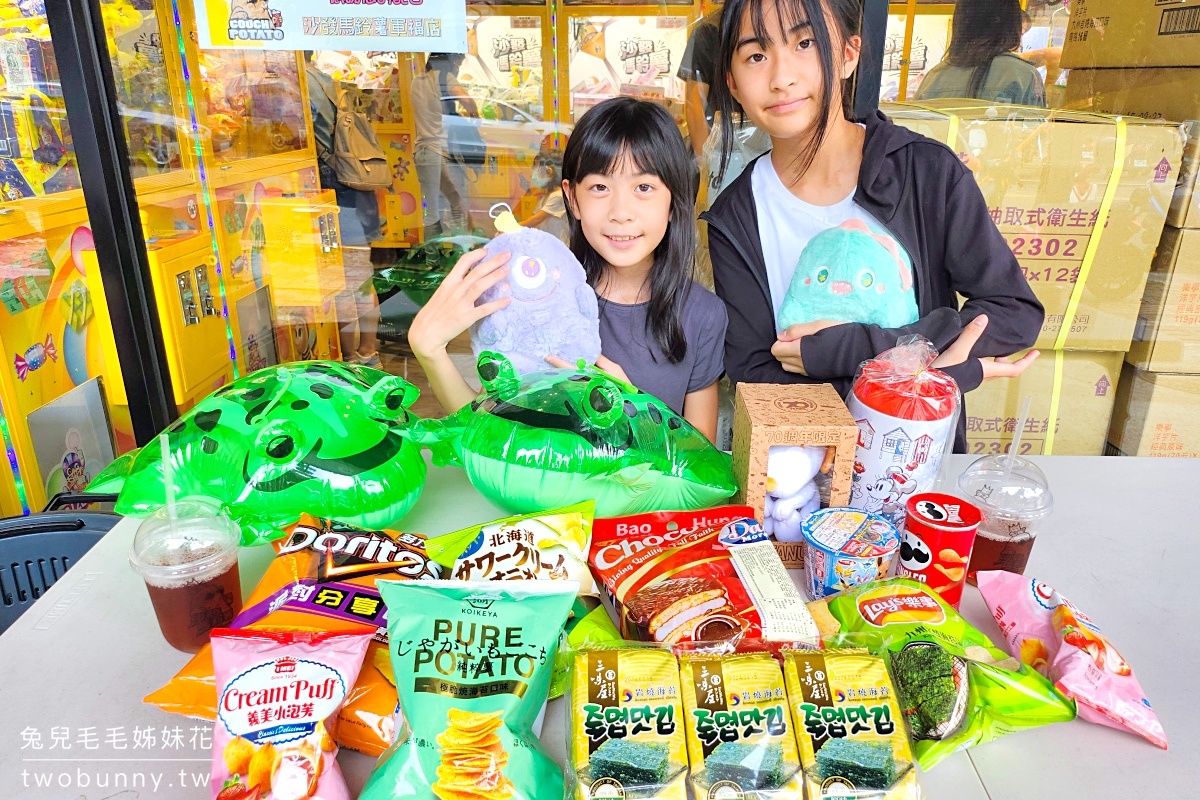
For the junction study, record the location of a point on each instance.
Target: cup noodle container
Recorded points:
(936, 545)
(906, 413)
(844, 548)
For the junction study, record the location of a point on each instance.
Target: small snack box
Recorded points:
(793, 452)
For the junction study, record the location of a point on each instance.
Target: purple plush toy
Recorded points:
(553, 310)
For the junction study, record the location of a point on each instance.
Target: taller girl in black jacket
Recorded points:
(778, 62)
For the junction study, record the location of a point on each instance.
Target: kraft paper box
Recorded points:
(1156, 415)
(1170, 94)
(1043, 175)
(1167, 337)
(1132, 33)
(1085, 406)
(766, 415)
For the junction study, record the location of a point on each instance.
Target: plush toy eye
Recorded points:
(823, 275)
(866, 279)
(529, 272)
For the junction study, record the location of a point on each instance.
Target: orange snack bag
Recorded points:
(322, 579)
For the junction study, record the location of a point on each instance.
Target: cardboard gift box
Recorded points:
(1084, 397)
(766, 415)
(1119, 33)
(1156, 415)
(1167, 337)
(1045, 175)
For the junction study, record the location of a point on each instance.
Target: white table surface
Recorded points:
(77, 664)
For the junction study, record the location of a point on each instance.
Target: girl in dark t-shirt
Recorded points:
(629, 187)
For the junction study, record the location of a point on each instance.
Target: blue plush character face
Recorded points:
(852, 274)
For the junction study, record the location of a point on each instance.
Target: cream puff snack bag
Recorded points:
(277, 691)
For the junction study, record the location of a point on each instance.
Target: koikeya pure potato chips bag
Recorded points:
(740, 736)
(551, 545)
(472, 662)
(849, 725)
(279, 693)
(956, 689)
(322, 579)
(625, 725)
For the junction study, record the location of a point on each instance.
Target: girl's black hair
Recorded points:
(645, 134)
(848, 16)
(982, 30)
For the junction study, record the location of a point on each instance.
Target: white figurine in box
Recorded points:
(792, 492)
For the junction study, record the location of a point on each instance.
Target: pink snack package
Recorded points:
(1054, 637)
(277, 693)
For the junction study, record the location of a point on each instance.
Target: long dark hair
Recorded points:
(982, 30)
(643, 132)
(846, 13)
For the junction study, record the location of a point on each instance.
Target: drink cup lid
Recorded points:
(199, 541)
(1018, 491)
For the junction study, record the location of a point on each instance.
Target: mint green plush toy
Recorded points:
(852, 274)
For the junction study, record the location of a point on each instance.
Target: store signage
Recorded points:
(394, 25)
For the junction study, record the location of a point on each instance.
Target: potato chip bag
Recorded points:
(956, 689)
(739, 728)
(279, 694)
(472, 662)
(849, 725)
(551, 545)
(322, 579)
(625, 725)
(1047, 632)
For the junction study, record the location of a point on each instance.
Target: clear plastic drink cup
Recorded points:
(1014, 497)
(190, 567)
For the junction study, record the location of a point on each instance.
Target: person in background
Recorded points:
(551, 213)
(430, 152)
(696, 68)
(358, 219)
(982, 61)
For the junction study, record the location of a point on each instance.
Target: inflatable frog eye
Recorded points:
(315, 437)
(499, 377)
(602, 403)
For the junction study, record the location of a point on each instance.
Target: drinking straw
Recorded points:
(1016, 442)
(168, 478)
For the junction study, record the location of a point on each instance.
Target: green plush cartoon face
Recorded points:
(550, 438)
(317, 437)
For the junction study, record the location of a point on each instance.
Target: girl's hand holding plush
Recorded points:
(602, 363)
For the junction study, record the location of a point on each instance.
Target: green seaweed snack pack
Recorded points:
(472, 662)
(956, 689)
(549, 546)
(625, 726)
(741, 742)
(848, 722)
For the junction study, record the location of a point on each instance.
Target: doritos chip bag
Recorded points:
(741, 741)
(472, 662)
(956, 688)
(279, 693)
(322, 579)
(551, 545)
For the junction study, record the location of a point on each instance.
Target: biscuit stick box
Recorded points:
(849, 726)
(626, 731)
(472, 662)
(740, 737)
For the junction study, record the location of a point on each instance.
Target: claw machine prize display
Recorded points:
(623, 50)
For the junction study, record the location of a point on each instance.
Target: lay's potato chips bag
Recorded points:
(849, 725)
(322, 579)
(549, 545)
(739, 729)
(625, 725)
(472, 662)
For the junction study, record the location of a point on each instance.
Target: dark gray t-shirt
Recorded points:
(625, 339)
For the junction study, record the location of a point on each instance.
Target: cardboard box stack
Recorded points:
(1045, 176)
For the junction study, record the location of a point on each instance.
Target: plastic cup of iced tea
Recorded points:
(1014, 497)
(190, 566)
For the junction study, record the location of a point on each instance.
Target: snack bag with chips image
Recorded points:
(322, 579)
(279, 695)
(625, 725)
(848, 721)
(551, 545)
(472, 662)
(956, 688)
(741, 742)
